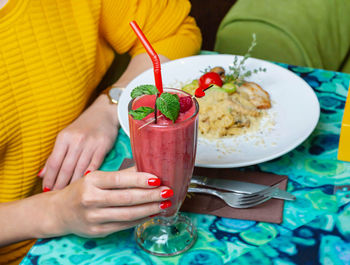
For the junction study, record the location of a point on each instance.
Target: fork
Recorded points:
(239, 200)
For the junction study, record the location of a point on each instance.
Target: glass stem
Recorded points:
(168, 220)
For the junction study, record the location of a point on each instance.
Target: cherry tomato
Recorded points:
(210, 78)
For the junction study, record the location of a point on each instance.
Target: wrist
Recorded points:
(51, 218)
(104, 105)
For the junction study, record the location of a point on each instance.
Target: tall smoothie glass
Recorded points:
(167, 150)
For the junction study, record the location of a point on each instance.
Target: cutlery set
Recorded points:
(238, 194)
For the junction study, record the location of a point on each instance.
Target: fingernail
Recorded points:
(153, 215)
(165, 204)
(167, 193)
(46, 189)
(87, 172)
(41, 170)
(154, 181)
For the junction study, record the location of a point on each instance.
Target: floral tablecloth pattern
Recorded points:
(315, 228)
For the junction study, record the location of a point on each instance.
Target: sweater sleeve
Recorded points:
(165, 23)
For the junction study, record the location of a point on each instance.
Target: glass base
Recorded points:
(166, 236)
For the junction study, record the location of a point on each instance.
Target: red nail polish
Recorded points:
(154, 181)
(165, 204)
(167, 193)
(46, 189)
(87, 172)
(153, 215)
(41, 170)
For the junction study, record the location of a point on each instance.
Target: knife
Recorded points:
(239, 186)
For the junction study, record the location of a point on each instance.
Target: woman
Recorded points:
(53, 56)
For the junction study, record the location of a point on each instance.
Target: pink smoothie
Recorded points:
(166, 149)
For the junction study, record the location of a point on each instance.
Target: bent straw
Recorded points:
(152, 54)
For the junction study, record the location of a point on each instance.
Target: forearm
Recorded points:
(29, 218)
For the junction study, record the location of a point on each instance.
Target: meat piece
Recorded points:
(256, 95)
(243, 109)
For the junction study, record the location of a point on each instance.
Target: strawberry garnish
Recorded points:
(199, 92)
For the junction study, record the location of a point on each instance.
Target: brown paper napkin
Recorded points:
(270, 211)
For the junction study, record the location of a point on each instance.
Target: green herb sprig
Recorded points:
(206, 70)
(238, 71)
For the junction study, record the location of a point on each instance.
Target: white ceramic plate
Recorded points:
(294, 114)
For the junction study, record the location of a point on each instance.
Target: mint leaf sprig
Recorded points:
(141, 112)
(168, 104)
(144, 90)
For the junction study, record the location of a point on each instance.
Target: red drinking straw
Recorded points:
(152, 54)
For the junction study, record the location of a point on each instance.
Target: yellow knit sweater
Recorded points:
(53, 54)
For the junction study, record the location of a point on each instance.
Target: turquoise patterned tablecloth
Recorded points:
(315, 228)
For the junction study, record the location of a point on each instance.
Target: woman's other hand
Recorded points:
(82, 145)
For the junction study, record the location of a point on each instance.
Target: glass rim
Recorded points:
(172, 124)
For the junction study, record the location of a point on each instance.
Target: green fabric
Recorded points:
(313, 33)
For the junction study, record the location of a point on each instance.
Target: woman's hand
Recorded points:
(81, 146)
(96, 205)
(105, 202)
